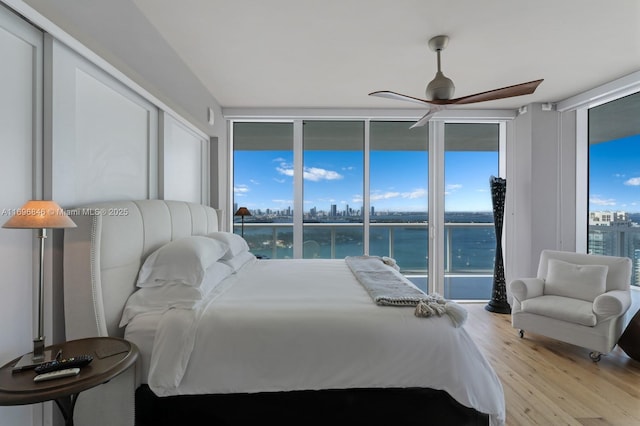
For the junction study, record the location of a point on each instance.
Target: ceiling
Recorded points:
(332, 53)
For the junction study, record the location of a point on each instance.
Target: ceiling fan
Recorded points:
(440, 90)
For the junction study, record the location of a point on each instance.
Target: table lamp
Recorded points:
(39, 214)
(242, 212)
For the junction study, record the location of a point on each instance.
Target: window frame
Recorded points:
(436, 164)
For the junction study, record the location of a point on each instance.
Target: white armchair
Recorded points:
(576, 298)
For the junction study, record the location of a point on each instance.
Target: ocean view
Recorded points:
(470, 239)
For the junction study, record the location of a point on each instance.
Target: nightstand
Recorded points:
(111, 356)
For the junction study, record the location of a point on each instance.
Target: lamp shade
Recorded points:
(39, 214)
(242, 211)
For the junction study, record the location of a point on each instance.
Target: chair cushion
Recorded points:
(561, 308)
(585, 282)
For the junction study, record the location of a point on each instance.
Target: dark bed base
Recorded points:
(353, 406)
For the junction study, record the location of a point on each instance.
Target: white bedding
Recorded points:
(279, 325)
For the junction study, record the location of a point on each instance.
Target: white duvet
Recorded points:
(281, 325)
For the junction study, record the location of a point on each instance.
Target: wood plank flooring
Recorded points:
(547, 382)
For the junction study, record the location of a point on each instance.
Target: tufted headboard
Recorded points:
(103, 254)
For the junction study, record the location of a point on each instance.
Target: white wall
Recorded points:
(541, 206)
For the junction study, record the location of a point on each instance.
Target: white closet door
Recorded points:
(20, 142)
(183, 157)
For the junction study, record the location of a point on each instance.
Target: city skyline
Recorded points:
(398, 180)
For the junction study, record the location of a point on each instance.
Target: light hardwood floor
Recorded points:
(547, 382)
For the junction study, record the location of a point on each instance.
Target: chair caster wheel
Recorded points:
(595, 356)
(521, 333)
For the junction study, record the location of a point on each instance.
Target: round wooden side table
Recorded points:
(111, 356)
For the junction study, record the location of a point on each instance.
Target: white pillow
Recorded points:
(183, 261)
(239, 261)
(174, 295)
(585, 282)
(236, 243)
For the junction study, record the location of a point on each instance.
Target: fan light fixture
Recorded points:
(440, 90)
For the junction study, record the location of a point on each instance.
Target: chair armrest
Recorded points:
(612, 303)
(526, 288)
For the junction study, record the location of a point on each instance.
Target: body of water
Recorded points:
(468, 249)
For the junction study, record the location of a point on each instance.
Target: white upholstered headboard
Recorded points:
(103, 254)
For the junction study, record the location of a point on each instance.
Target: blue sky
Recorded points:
(614, 178)
(398, 180)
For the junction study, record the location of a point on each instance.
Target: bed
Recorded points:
(283, 340)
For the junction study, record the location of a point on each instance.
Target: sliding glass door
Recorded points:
(333, 176)
(398, 202)
(471, 158)
(263, 183)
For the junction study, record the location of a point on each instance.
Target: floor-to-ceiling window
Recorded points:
(333, 176)
(398, 202)
(614, 180)
(471, 158)
(263, 183)
(363, 187)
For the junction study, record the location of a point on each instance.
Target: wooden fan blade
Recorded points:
(425, 118)
(398, 96)
(492, 95)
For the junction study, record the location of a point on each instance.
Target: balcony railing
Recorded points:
(469, 247)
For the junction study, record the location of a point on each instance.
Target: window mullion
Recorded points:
(436, 207)
(366, 201)
(298, 183)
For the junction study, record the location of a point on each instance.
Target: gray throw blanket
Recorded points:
(388, 287)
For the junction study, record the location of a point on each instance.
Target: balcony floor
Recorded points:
(460, 287)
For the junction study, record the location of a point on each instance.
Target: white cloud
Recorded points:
(313, 174)
(384, 196)
(285, 171)
(602, 202)
(416, 193)
(633, 181)
(240, 189)
(316, 174)
(390, 195)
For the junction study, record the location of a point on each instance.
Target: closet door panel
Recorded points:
(104, 136)
(20, 142)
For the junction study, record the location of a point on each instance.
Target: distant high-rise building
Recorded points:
(608, 218)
